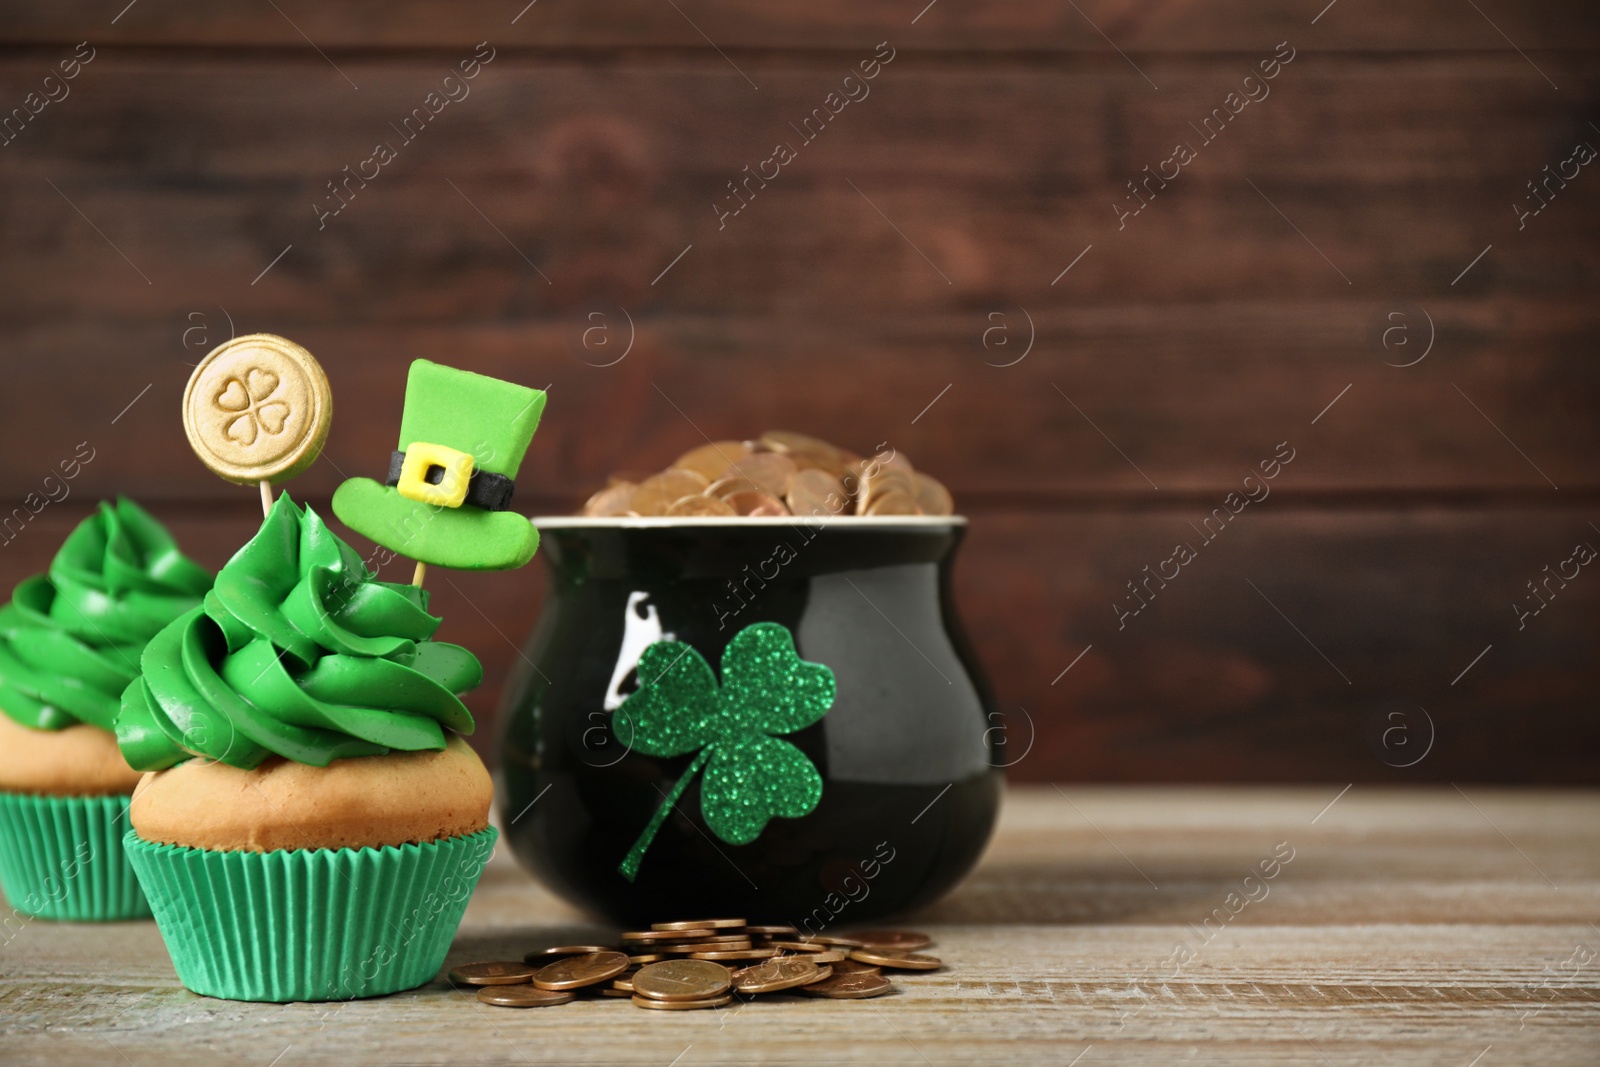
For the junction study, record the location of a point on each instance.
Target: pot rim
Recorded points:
(629, 522)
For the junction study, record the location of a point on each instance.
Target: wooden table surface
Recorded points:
(1442, 926)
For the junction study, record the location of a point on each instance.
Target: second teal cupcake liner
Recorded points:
(63, 858)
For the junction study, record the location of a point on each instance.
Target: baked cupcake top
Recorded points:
(70, 640)
(300, 652)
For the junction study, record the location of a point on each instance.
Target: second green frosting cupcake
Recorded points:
(70, 640)
(298, 651)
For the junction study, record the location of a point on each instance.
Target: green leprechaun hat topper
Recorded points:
(462, 437)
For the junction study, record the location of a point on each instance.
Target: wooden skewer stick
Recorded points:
(419, 574)
(266, 498)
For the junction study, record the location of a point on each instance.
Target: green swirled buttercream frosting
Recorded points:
(298, 651)
(70, 639)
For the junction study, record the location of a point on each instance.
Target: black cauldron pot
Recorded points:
(908, 754)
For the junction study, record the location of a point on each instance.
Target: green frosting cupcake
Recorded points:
(70, 640)
(298, 651)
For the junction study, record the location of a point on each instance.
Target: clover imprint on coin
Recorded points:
(250, 399)
(751, 775)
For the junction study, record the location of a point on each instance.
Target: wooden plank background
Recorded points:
(168, 200)
(1404, 930)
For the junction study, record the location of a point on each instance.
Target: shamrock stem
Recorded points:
(629, 868)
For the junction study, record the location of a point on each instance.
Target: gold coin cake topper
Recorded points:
(257, 410)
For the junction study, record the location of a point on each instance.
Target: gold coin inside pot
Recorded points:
(701, 507)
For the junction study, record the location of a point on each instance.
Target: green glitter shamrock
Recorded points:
(750, 775)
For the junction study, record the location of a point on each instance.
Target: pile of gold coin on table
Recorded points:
(680, 966)
(779, 473)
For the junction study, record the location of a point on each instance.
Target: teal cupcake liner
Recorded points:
(63, 858)
(309, 924)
